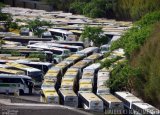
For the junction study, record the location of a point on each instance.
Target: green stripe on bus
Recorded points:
(7, 85)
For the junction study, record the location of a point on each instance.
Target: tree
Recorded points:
(77, 7)
(1, 6)
(35, 26)
(95, 34)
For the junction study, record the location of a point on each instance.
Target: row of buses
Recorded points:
(70, 71)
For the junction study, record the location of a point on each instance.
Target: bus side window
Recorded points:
(5, 80)
(16, 80)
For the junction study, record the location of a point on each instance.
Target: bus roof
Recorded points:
(60, 31)
(86, 50)
(109, 98)
(93, 66)
(63, 45)
(14, 76)
(149, 108)
(11, 71)
(22, 67)
(67, 92)
(90, 96)
(94, 56)
(46, 46)
(32, 62)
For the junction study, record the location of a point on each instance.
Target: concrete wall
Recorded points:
(28, 4)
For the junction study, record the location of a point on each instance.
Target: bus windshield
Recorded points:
(57, 52)
(36, 75)
(70, 37)
(104, 48)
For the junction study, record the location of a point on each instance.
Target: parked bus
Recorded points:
(91, 102)
(127, 98)
(58, 53)
(53, 75)
(10, 83)
(103, 89)
(81, 65)
(142, 108)
(72, 72)
(104, 48)
(94, 57)
(49, 94)
(36, 74)
(68, 98)
(85, 85)
(68, 83)
(88, 51)
(74, 58)
(43, 66)
(111, 102)
(61, 35)
(102, 77)
(63, 65)
(73, 49)
(74, 43)
(11, 71)
(48, 54)
(93, 67)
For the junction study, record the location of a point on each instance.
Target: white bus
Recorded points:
(72, 72)
(12, 83)
(85, 85)
(58, 53)
(111, 102)
(93, 67)
(94, 57)
(68, 83)
(34, 73)
(103, 89)
(63, 65)
(104, 48)
(73, 43)
(11, 71)
(43, 66)
(91, 102)
(88, 51)
(81, 65)
(53, 75)
(74, 58)
(73, 49)
(127, 98)
(49, 94)
(68, 98)
(144, 108)
(61, 35)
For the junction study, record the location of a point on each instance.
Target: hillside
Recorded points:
(141, 73)
(148, 84)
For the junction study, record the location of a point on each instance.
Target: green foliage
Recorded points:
(95, 34)
(121, 9)
(41, 56)
(35, 25)
(120, 77)
(13, 25)
(108, 62)
(5, 17)
(141, 73)
(138, 34)
(77, 7)
(12, 52)
(147, 85)
(135, 9)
